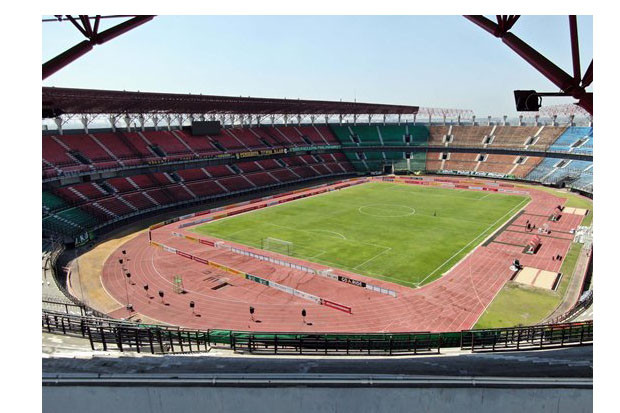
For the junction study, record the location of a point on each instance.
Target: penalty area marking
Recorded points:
(405, 210)
(329, 232)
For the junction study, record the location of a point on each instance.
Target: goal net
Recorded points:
(277, 245)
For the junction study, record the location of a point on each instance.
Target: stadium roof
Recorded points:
(57, 101)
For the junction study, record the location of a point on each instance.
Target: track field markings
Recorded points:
(519, 205)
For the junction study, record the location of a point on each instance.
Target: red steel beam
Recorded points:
(587, 77)
(55, 64)
(574, 46)
(557, 76)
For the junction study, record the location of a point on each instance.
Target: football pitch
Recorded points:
(406, 234)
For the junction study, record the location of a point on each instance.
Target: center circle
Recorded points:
(386, 210)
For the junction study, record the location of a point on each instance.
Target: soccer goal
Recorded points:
(277, 245)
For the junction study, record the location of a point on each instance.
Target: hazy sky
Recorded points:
(435, 61)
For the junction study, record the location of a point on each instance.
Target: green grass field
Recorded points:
(406, 234)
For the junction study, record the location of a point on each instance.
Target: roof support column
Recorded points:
(430, 119)
(536, 120)
(572, 120)
(127, 120)
(156, 121)
(84, 120)
(299, 119)
(520, 120)
(444, 119)
(58, 122)
(554, 120)
(168, 121)
(458, 120)
(369, 119)
(473, 120)
(505, 118)
(415, 115)
(273, 120)
(326, 119)
(112, 120)
(355, 119)
(142, 121)
(180, 120)
(285, 120)
(312, 117)
(384, 118)
(340, 117)
(489, 120)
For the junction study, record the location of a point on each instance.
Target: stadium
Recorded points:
(184, 224)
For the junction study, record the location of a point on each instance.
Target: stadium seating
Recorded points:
(555, 171)
(71, 209)
(79, 152)
(574, 139)
(74, 208)
(383, 135)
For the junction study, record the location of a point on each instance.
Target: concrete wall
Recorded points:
(173, 399)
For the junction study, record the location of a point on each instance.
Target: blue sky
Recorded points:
(436, 61)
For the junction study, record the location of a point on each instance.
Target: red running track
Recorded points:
(451, 303)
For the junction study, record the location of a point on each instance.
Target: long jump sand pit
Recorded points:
(546, 279)
(536, 277)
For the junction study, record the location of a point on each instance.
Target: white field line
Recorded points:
(370, 259)
(306, 230)
(451, 219)
(277, 205)
(402, 187)
(511, 212)
(331, 232)
(319, 254)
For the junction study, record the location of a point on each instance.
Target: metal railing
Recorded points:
(528, 338)
(109, 334)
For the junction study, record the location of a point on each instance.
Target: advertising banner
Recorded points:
(169, 249)
(200, 260)
(256, 279)
(335, 305)
(351, 281)
(184, 254)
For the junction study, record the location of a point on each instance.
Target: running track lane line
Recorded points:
(479, 235)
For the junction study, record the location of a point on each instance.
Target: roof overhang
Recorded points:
(58, 101)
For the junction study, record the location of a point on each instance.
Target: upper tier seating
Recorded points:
(65, 154)
(364, 135)
(74, 208)
(574, 139)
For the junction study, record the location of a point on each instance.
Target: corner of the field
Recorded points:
(529, 198)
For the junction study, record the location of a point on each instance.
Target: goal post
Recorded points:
(277, 245)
